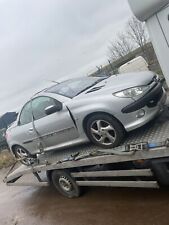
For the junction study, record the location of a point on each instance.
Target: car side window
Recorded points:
(39, 105)
(26, 114)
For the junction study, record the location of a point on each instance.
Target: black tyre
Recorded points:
(104, 130)
(23, 155)
(161, 171)
(65, 184)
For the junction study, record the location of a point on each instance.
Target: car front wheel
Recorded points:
(104, 130)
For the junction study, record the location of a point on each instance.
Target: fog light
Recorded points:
(140, 113)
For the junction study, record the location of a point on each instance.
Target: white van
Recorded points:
(135, 65)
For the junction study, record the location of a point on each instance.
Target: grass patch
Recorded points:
(6, 159)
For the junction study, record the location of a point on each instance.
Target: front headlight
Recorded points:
(135, 92)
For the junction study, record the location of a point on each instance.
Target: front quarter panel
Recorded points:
(82, 107)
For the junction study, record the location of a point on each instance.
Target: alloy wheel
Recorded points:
(22, 155)
(103, 132)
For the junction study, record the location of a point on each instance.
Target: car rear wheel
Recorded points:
(104, 130)
(22, 155)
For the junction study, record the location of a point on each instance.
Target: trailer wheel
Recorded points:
(65, 184)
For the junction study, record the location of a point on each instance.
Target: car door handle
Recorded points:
(31, 130)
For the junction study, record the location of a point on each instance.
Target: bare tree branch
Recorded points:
(137, 33)
(120, 47)
(135, 36)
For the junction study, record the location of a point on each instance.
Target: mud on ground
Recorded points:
(97, 206)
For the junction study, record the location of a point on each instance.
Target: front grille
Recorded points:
(155, 99)
(155, 80)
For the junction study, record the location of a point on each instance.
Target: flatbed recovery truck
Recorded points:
(142, 161)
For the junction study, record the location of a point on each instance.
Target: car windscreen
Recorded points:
(73, 87)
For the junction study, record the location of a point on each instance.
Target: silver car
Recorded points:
(96, 109)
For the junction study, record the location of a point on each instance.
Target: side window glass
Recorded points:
(39, 105)
(26, 114)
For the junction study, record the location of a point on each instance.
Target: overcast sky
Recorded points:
(42, 40)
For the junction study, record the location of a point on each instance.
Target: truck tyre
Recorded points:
(65, 184)
(160, 168)
(104, 130)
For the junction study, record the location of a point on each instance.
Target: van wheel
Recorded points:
(65, 184)
(104, 130)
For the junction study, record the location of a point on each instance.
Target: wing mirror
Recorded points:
(52, 109)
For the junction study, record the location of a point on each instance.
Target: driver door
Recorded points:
(54, 129)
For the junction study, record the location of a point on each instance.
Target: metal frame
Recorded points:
(115, 173)
(134, 184)
(105, 159)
